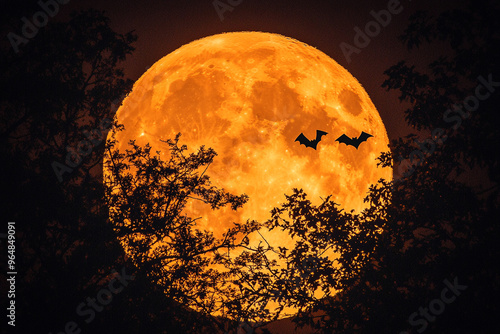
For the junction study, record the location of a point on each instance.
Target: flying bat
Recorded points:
(354, 141)
(311, 143)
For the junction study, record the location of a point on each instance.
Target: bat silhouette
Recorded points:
(311, 143)
(354, 141)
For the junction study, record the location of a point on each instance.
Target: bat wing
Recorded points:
(344, 139)
(303, 140)
(320, 134)
(364, 136)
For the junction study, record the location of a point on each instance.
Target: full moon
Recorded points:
(248, 95)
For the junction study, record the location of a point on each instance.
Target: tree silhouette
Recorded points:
(431, 224)
(147, 197)
(55, 93)
(146, 208)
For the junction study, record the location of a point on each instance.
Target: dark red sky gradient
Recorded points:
(164, 26)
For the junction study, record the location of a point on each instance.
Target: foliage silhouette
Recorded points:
(437, 224)
(147, 197)
(62, 83)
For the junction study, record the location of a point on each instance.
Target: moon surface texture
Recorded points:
(248, 95)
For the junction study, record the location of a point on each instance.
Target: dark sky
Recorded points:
(164, 26)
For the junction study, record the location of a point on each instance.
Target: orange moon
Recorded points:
(248, 95)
